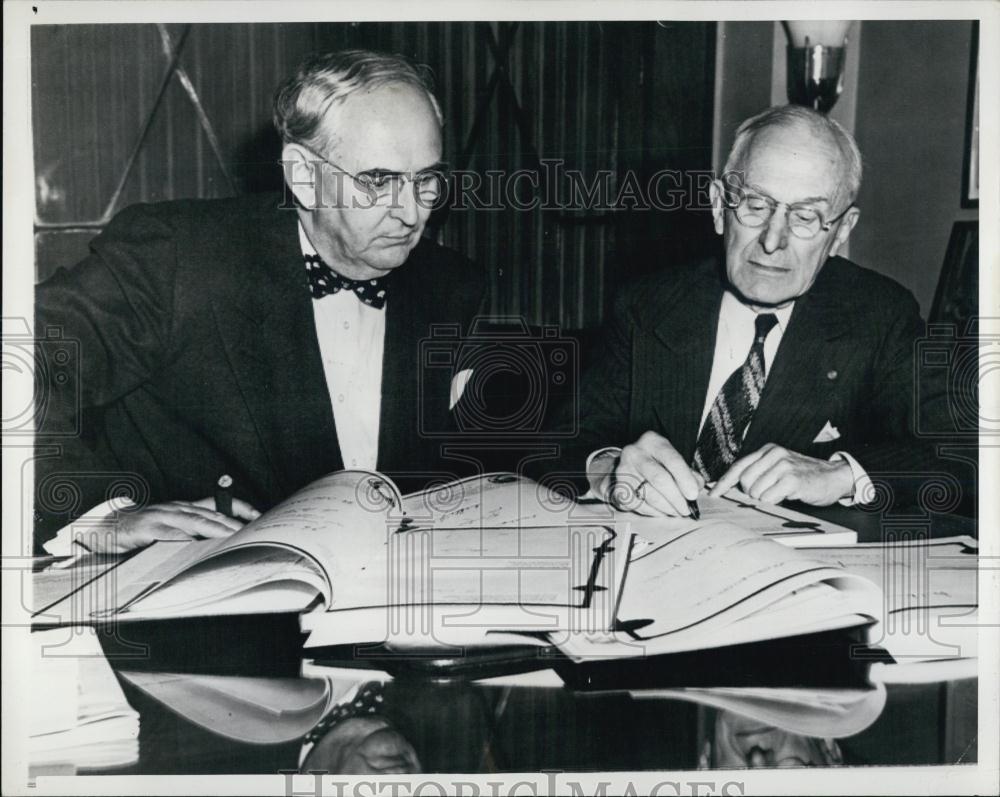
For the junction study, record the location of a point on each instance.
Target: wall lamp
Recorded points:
(816, 56)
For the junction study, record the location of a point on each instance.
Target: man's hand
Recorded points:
(773, 474)
(652, 478)
(174, 520)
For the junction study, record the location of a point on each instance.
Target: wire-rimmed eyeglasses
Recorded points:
(381, 184)
(754, 209)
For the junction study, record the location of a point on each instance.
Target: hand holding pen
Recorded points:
(652, 478)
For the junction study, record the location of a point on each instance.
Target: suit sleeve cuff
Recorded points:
(69, 539)
(864, 492)
(600, 465)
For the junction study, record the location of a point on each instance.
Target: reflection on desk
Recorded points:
(80, 720)
(198, 723)
(246, 706)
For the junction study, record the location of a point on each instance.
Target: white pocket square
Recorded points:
(827, 434)
(458, 383)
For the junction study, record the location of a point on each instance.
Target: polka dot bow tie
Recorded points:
(324, 280)
(367, 702)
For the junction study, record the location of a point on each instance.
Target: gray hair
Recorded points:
(326, 79)
(788, 116)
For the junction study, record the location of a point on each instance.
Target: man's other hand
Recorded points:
(173, 520)
(773, 474)
(651, 478)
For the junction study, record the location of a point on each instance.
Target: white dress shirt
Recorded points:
(351, 338)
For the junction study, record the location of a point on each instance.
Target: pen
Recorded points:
(695, 512)
(224, 495)
(376, 485)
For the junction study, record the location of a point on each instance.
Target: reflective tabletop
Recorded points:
(258, 709)
(237, 695)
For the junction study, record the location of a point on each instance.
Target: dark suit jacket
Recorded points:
(847, 358)
(198, 356)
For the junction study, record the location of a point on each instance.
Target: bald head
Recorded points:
(396, 123)
(801, 128)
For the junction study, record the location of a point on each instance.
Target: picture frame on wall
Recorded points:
(957, 298)
(970, 173)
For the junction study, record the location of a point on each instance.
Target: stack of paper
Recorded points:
(778, 523)
(928, 622)
(80, 718)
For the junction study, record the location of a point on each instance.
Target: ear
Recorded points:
(302, 174)
(844, 230)
(715, 194)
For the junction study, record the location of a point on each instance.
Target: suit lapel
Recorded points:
(787, 408)
(268, 330)
(680, 361)
(406, 324)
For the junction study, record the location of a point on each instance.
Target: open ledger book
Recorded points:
(494, 559)
(929, 622)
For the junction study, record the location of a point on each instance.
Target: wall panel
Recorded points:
(598, 96)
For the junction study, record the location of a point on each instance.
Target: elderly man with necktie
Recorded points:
(780, 368)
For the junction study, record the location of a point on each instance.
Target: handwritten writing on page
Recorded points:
(693, 585)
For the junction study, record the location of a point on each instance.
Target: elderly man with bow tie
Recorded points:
(269, 338)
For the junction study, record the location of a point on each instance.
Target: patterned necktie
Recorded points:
(324, 280)
(722, 435)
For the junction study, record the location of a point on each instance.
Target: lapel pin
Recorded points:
(831, 375)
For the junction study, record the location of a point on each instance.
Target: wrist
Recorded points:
(843, 479)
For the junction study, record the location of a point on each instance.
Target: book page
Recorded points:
(59, 578)
(931, 594)
(254, 579)
(689, 587)
(924, 671)
(555, 565)
(706, 571)
(780, 523)
(320, 532)
(912, 574)
(463, 586)
(92, 593)
(492, 499)
(339, 521)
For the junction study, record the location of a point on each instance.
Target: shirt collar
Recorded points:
(736, 311)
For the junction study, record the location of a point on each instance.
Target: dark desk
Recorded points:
(880, 525)
(480, 728)
(476, 729)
